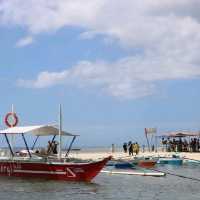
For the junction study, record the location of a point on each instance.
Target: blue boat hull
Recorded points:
(124, 165)
(170, 161)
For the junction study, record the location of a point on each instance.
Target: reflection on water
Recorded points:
(16, 188)
(107, 186)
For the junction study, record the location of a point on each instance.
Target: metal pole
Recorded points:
(70, 146)
(26, 145)
(12, 136)
(35, 142)
(7, 140)
(60, 132)
(145, 130)
(53, 138)
(156, 141)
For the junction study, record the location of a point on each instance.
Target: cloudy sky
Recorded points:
(116, 66)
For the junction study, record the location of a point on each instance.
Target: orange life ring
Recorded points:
(6, 120)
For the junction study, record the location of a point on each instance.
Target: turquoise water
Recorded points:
(107, 186)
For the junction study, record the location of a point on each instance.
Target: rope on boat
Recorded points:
(173, 174)
(198, 161)
(179, 175)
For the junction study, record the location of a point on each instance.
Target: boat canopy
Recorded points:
(38, 130)
(180, 134)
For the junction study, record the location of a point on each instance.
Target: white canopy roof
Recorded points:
(39, 130)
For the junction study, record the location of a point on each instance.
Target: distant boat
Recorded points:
(145, 162)
(124, 165)
(170, 161)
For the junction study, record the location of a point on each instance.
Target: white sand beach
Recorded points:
(119, 154)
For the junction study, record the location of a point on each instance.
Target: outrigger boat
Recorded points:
(141, 162)
(145, 162)
(170, 160)
(36, 165)
(43, 165)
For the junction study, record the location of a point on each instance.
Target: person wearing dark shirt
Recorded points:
(54, 147)
(130, 148)
(125, 147)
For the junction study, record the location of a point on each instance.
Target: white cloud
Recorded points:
(24, 41)
(152, 25)
(131, 22)
(45, 79)
(168, 27)
(167, 33)
(48, 15)
(129, 78)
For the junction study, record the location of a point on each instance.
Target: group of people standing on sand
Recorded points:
(181, 145)
(131, 148)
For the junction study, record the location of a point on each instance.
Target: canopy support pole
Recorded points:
(53, 138)
(145, 130)
(156, 141)
(60, 132)
(26, 145)
(70, 146)
(12, 136)
(9, 144)
(35, 142)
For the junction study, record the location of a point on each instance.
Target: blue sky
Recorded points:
(114, 74)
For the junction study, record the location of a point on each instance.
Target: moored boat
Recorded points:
(170, 161)
(124, 165)
(43, 163)
(145, 162)
(51, 170)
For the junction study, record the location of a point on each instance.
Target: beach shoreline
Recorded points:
(96, 155)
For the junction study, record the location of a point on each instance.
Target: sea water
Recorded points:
(106, 186)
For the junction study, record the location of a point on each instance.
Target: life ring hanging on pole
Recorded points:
(15, 119)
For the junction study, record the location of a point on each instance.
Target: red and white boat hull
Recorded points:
(56, 171)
